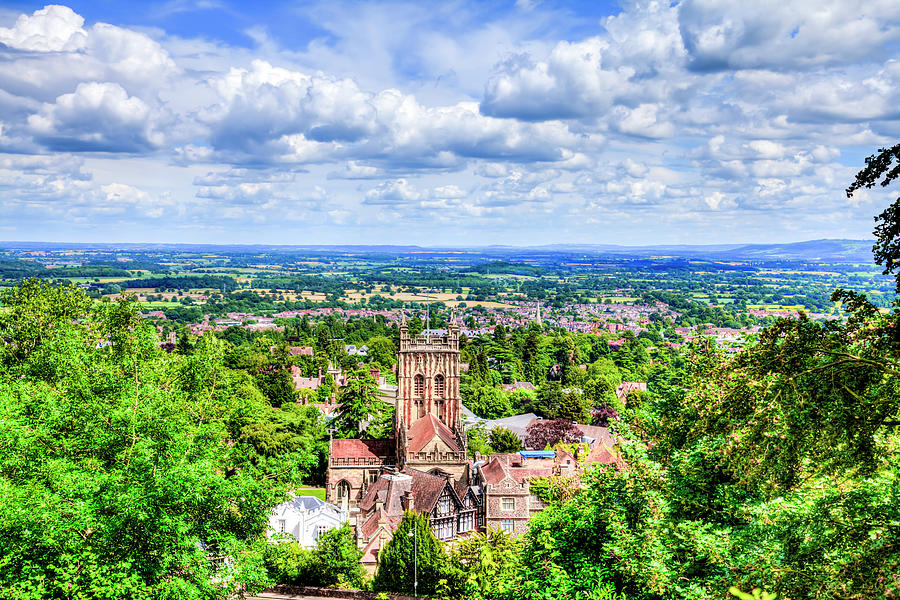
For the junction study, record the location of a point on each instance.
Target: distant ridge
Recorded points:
(823, 250)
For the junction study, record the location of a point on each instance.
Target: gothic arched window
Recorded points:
(439, 386)
(419, 386)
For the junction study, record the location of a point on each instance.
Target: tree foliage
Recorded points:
(334, 562)
(542, 434)
(362, 412)
(413, 554)
(119, 471)
(504, 440)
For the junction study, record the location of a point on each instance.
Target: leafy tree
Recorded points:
(542, 434)
(477, 436)
(504, 440)
(32, 311)
(413, 553)
(549, 399)
(383, 351)
(361, 411)
(882, 169)
(488, 563)
(117, 475)
(277, 385)
(479, 372)
(488, 402)
(337, 558)
(572, 406)
(333, 562)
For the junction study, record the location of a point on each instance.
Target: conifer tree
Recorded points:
(413, 554)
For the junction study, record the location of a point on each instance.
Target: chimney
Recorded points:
(409, 500)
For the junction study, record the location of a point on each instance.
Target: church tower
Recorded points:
(428, 418)
(428, 376)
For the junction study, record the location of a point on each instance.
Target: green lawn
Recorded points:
(317, 492)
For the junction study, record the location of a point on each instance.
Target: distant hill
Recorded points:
(858, 251)
(826, 250)
(854, 251)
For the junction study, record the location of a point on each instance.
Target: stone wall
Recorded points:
(301, 591)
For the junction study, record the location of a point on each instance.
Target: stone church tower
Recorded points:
(428, 421)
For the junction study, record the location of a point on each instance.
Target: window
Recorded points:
(444, 505)
(419, 386)
(443, 528)
(282, 525)
(507, 504)
(466, 521)
(320, 529)
(373, 476)
(439, 386)
(343, 490)
(508, 525)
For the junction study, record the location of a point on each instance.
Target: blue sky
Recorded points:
(451, 123)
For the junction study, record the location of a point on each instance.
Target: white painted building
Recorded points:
(305, 518)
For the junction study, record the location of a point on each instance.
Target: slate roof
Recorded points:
(362, 448)
(601, 435)
(390, 489)
(425, 429)
(309, 502)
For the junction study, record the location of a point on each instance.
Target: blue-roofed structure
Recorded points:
(537, 453)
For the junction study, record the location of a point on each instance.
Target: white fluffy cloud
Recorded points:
(691, 111)
(778, 35)
(51, 29)
(96, 116)
(282, 115)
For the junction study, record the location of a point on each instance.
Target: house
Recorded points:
(506, 490)
(304, 518)
(353, 350)
(518, 385)
(451, 505)
(626, 387)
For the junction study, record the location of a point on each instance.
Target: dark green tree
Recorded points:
(504, 440)
(361, 411)
(413, 554)
(883, 169)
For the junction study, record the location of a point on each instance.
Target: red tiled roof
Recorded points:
(361, 448)
(494, 472)
(369, 528)
(520, 474)
(630, 386)
(371, 549)
(604, 456)
(425, 429)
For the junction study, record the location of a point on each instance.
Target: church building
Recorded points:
(427, 434)
(424, 465)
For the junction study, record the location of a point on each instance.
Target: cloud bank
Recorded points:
(694, 122)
